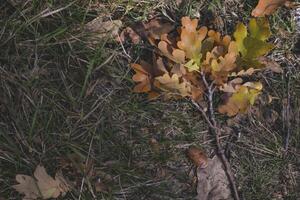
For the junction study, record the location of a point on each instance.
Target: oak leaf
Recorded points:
(191, 39)
(173, 54)
(172, 86)
(253, 45)
(41, 185)
(242, 97)
(145, 73)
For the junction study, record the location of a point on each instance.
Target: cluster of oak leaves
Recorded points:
(185, 62)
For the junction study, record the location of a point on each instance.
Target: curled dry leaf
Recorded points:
(198, 157)
(267, 7)
(213, 183)
(42, 185)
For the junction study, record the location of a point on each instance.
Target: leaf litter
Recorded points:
(41, 185)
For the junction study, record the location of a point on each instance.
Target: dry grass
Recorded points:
(57, 99)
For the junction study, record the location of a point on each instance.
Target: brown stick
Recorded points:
(215, 130)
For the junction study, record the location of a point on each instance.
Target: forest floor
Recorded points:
(67, 104)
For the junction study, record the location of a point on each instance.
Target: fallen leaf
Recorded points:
(101, 29)
(198, 157)
(142, 77)
(267, 7)
(213, 183)
(27, 185)
(271, 65)
(130, 33)
(157, 27)
(101, 187)
(173, 54)
(42, 185)
(145, 73)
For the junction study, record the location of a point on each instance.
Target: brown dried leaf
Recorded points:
(128, 32)
(156, 27)
(213, 183)
(43, 186)
(198, 157)
(267, 7)
(271, 65)
(102, 28)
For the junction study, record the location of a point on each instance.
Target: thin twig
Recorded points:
(85, 167)
(287, 114)
(215, 130)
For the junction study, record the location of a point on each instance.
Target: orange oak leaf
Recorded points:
(191, 38)
(172, 86)
(145, 73)
(142, 76)
(267, 7)
(173, 54)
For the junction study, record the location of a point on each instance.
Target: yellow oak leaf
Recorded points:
(242, 98)
(253, 45)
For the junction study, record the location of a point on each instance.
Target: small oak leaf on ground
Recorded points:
(42, 185)
(155, 28)
(243, 97)
(267, 7)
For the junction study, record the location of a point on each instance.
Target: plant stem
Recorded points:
(215, 130)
